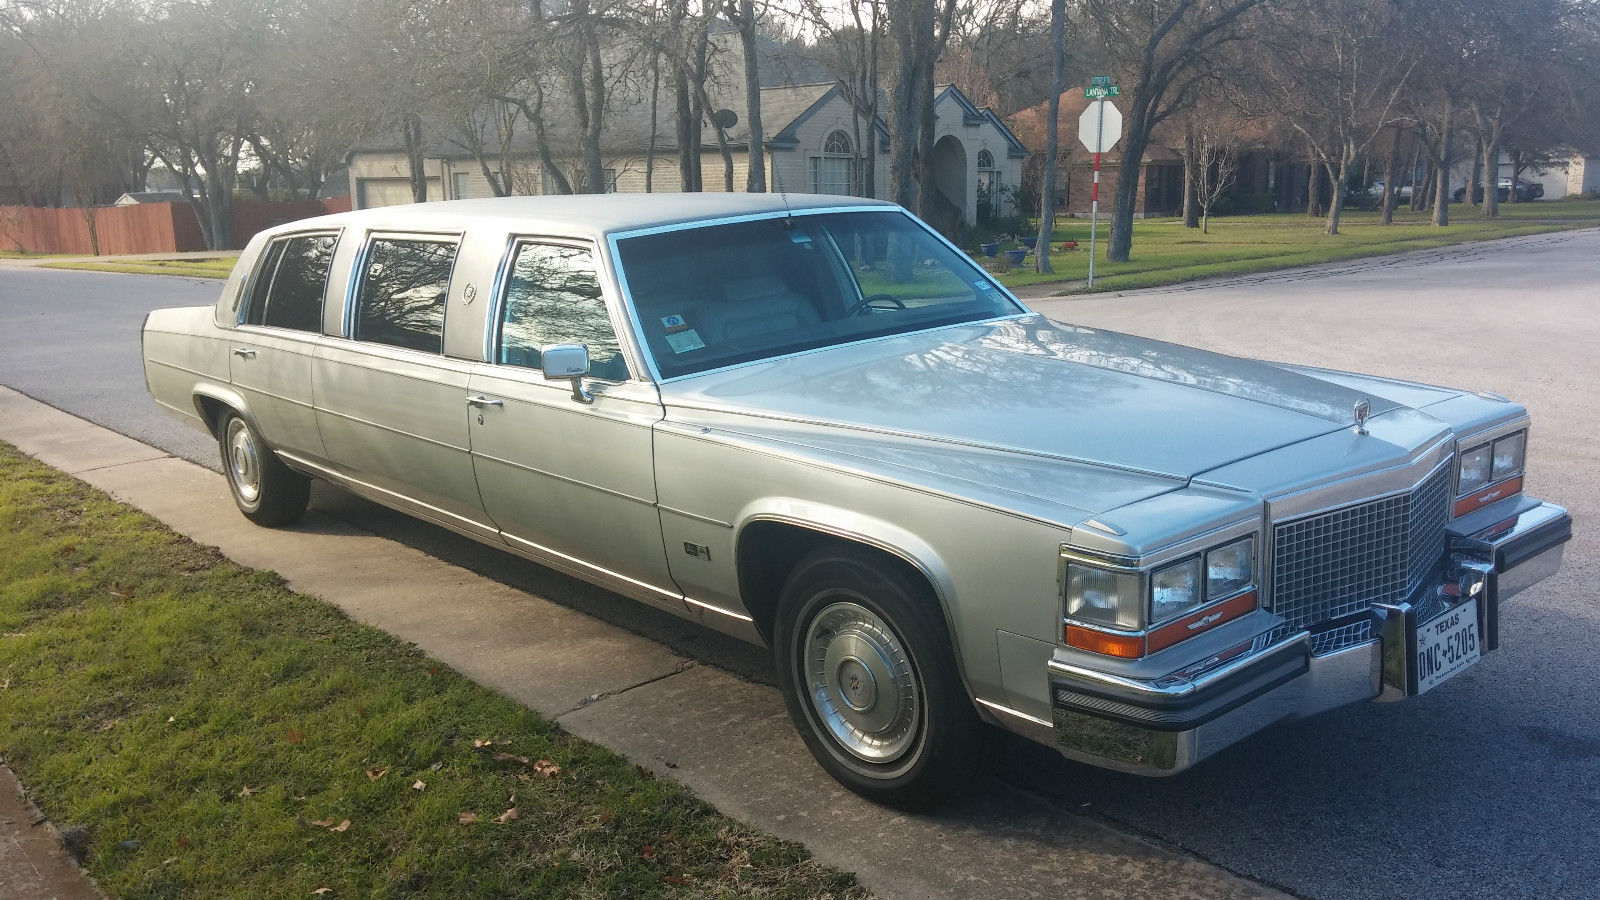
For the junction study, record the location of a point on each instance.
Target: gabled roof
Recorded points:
(972, 114)
(787, 138)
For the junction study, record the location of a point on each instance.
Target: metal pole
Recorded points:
(1094, 196)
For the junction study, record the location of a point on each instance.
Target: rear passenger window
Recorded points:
(287, 291)
(403, 291)
(295, 300)
(554, 298)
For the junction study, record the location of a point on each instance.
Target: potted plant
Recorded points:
(1016, 256)
(990, 249)
(1030, 241)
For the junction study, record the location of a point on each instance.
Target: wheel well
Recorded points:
(769, 551)
(212, 410)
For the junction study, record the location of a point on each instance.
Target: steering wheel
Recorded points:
(865, 303)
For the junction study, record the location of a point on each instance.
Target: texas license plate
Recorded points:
(1446, 645)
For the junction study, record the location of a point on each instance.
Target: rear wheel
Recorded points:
(267, 491)
(870, 680)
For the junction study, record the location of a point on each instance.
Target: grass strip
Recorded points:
(193, 268)
(219, 735)
(1164, 252)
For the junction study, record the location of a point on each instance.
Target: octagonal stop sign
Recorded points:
(1100, 126)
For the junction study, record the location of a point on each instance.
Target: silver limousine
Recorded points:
(815, 424)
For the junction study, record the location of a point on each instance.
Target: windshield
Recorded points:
(723, 294)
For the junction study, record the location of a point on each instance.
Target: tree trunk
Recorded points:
(1491, 177)
(1441, 185)
(687, 132)
(1336, 202)
(655, 108)
(1314, 191)
(1047, 188)
(1191, 210)
(1475, 181)
(756, 178)
(416, 159)
(1128, 173)
(911, 24)
(1389, 193)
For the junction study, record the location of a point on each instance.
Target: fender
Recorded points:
(874, 532)
(227, 396)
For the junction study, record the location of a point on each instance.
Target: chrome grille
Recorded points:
(1341, 637)
(1340, 562)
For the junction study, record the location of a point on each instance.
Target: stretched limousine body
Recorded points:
(814, 424)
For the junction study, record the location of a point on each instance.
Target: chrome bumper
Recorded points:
(1166, 725)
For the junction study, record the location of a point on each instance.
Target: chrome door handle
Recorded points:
(481, 400)
(243, 353)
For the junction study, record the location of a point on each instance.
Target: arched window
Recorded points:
(991, 197)
(834, 171)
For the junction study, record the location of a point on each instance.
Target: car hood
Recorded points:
(1036, 387)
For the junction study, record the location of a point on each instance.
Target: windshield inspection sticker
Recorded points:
(673, 323)
(983, 285)
(684, 341)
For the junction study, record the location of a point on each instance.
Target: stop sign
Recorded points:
(1100, 126)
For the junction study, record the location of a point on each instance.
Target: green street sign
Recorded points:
(1100, 87)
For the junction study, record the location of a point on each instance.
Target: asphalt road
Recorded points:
(1487, 787)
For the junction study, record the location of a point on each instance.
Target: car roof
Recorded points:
(589, 215)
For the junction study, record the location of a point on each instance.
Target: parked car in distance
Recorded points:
(813, 423)
(1527, 191)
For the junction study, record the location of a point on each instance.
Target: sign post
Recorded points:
(1099, 128)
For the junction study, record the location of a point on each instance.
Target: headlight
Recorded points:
(1230, 569)
(1508, 455)
(1102, 597)
(1175, 589)
(1475, 468)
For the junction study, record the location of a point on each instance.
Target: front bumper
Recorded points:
(1165, 725)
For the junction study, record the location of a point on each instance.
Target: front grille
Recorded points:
(1337, 563)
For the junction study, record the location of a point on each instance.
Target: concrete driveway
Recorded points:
(1489, 786)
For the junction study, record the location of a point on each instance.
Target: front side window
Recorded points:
(553, 297)
(295, 298)
(723, 294)
(403, 290)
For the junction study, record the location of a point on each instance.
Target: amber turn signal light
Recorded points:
(1127, 646)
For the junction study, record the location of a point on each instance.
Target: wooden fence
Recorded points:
(144, 228)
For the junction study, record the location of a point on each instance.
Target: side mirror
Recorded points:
(569, 361)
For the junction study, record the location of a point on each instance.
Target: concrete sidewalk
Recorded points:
(727, 739)
(33, 866)
(187, 255)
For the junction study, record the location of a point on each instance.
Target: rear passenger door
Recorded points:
(568, 482)
(271, 353)
(390, 405)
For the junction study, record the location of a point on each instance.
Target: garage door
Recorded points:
(371, 192)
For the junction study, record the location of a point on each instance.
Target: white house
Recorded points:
(814, 141)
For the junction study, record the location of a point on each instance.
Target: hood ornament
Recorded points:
(1362, 410)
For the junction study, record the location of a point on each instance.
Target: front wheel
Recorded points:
(869, 678)
(267, 491)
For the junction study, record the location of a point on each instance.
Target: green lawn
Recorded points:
(1164, 252)
(219, 735)
(194, 268)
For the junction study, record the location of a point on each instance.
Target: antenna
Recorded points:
(788, 218)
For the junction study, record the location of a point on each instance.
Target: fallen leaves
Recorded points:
(375, 774)
(294, 736)
(506, 757)
(328, 824)
(546, 768)
(467, 818)
(506, 816)
(247, 790)
(324, 889)
(419, 785)
(122, 595)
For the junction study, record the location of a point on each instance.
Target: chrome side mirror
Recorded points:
(569, 361)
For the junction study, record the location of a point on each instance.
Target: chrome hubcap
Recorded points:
(244, 468)
(861, 682)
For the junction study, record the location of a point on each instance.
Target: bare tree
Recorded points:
(1047, 186)
(1158, 48)
(742, 13)
(1333, 74)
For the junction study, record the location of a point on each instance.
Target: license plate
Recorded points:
(1446, 645)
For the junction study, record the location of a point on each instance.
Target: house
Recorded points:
(814, 141)
(134, 198)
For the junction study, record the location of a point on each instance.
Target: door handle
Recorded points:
(244, 353)
(481, 401)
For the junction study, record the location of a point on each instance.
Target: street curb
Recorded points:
(725, 738)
